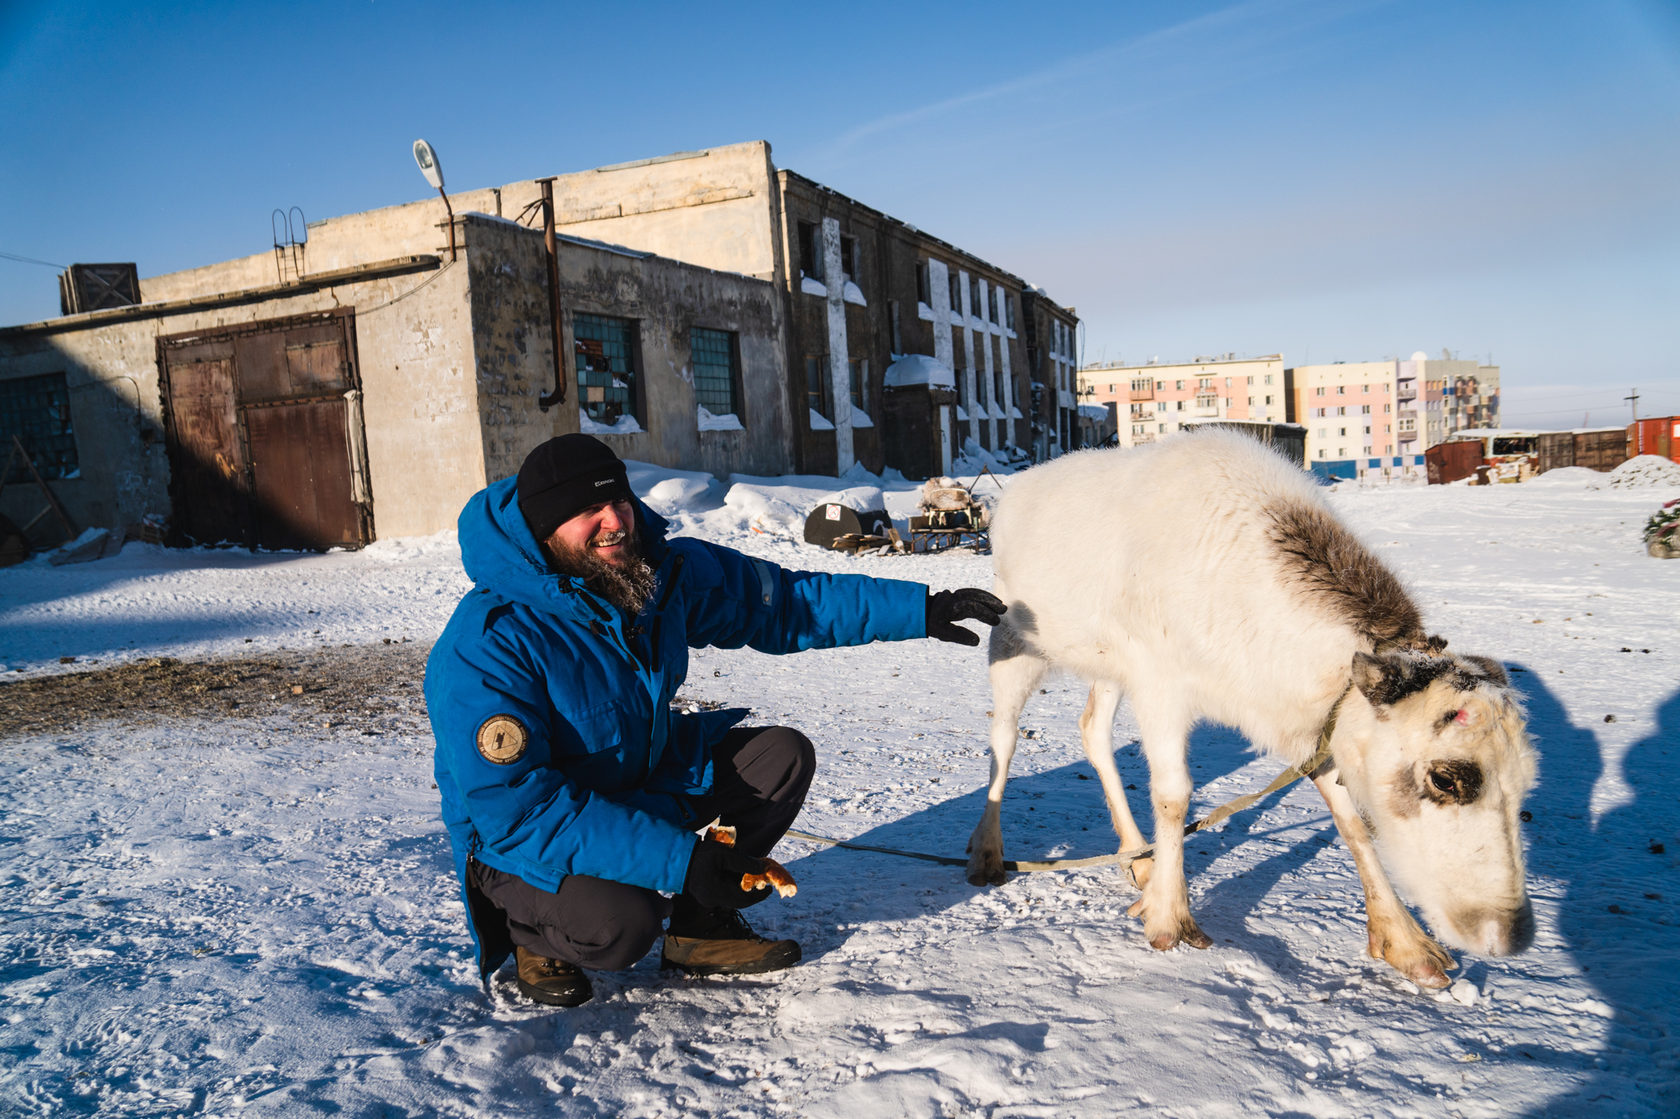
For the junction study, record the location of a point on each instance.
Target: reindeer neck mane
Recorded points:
(1327, 565)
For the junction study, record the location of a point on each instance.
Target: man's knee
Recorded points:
(779, 760)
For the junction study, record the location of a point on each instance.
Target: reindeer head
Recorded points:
(1438, 762)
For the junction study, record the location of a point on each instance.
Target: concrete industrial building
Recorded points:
(367, 379)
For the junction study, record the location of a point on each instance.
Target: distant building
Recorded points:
(1381, 416)
(1157, 399)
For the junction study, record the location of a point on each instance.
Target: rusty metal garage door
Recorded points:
(265, 436)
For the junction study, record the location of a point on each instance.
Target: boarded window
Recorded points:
(716, 370)
(859, 370)
(37, 411)
(606, 354)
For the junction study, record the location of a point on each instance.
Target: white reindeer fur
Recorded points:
(1154, 572)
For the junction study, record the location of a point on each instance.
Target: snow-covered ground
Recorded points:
(258, 916)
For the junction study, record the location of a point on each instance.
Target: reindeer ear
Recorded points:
(1374, 677)
(1492, 669)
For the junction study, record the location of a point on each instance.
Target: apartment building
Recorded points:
(1157, 399)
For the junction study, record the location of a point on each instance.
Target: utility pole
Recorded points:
(1633, 399)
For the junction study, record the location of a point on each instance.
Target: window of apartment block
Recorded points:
(1204, 383)
(1341, 390)
(894, 327)
(924, 289)
(955, 284)
(974, 306)
(1268, 378)
(714, 355)
(1178, 385)
(1365, 409)
(1388, 407)
(816, 385)
(1008, 312)
(858, 367)
(810, 250)
(606, 355)
(37, 411)
(1268, 399)
(849, 258)
(1251, 402)
(1160, 386)
(1319, 391)
(997, 387)
(1160, 427)
(1160, 405)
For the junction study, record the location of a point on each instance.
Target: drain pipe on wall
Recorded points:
(558, 396)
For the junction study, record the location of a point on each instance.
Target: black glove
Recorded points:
(946, 608)
(714, 876)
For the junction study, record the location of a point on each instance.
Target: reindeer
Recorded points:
(1204, 577)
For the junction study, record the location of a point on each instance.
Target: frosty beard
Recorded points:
(628, 585)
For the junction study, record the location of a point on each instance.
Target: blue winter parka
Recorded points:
(557, 749)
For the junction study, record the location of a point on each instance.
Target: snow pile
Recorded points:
(1569, 477)
(1645, 471)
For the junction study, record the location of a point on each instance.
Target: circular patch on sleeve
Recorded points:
(502, 739)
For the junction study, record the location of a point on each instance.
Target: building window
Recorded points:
(715, 359)
(975, 307)
(1365, 409)
(1178, 385)
(816, 385)
(956, 292)
(849, 258)
(997, 387)
(606, 354)
(810, 250)
(859, 370)
(1341, 390)
(37, 411)
(1319, 391)
(1268, 378)
(924, 290)
(1268, 401)
(1008, 313)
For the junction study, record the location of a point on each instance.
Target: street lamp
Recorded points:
(433, 170)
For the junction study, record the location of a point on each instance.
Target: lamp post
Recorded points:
(433, 170)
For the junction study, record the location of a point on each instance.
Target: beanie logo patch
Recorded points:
(502, 739)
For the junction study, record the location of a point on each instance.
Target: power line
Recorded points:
(32, 260)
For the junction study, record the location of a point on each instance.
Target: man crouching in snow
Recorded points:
(571, 789)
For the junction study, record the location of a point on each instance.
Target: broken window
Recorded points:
(858, 367)
(810, 251)
(37, 411)
(714, 355)
(606, 355)
(816, 385)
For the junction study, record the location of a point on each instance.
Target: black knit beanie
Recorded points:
(565, 476)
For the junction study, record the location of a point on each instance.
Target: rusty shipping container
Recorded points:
(1604, 449)
(1598, 449)
(1450, 462)
(1655, 437)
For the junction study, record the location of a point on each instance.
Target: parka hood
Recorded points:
(499, 552)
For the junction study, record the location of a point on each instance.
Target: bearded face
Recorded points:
(603, 549)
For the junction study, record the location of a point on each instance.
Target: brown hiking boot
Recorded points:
(720, 942)
(554, 982)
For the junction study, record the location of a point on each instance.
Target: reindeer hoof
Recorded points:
(1422, 961)
(1183, 930)
(986, 870)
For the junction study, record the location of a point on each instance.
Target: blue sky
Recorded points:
(1332, 179)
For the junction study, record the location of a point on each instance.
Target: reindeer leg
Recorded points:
(1096, 734)
(1015, 672)
(1165, 904)
(1394, 935)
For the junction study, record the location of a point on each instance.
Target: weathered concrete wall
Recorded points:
(415, 361)
(667, 299)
